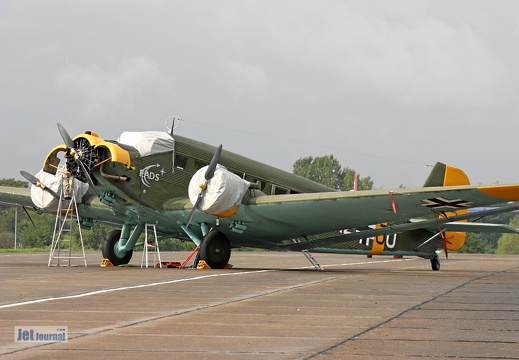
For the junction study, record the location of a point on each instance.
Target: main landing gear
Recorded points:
(215, 250)
(118, 245)
(435, 263)
(109, 249)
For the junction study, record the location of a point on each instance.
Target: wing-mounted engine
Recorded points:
(223, 193)
(44, 194)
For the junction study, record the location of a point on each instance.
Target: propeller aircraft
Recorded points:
(220, 200)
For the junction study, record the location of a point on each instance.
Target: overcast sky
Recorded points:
(387, 87)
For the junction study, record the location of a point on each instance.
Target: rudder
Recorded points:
(446, 175)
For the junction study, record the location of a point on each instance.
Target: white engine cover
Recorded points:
(224, 191)
(43, 199)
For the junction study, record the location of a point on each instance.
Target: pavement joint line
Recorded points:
(161, 317)
(103, 291)
(352, 264)
(417, 306)
(491, 277)
(371, 262)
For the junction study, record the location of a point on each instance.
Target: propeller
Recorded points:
(76, 155)
(209, 173)
(66, 137)
(36, 182)
(444, 238)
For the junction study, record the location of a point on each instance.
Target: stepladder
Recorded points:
(67, 247)
(151, 244)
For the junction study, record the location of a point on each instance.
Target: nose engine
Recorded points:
(83, 156)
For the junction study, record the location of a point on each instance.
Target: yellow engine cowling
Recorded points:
(116, 153)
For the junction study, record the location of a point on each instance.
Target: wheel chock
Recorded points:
(106, 263)
(202, 265)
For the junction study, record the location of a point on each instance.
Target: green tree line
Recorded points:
(328, 171)
(14, 183)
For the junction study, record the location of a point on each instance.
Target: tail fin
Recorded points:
(446, 175)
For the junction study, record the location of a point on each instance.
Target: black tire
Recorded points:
(108, 249)
(215, 250)
(435, 263)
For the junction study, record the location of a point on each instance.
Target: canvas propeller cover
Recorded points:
(44, 199)
(224, 190)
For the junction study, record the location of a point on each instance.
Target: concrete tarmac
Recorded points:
(268, 306)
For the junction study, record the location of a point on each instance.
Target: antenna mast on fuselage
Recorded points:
(175, 122)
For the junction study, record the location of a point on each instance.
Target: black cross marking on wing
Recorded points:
(442, 203)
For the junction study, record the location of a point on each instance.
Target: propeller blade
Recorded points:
(445, 246)
(29, 216)
(30, 178)
(87, 175)
(36, 182)
(443, 237)
(70, 145)
(66, 137)
(393, 205)
(192, 213)
(209, 173)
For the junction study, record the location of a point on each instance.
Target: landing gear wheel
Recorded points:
(215, 250)
(109, 252)
(435, 263)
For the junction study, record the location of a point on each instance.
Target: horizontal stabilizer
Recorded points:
(479, 227)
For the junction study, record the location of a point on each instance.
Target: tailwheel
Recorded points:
(215, 250)
(435, 263)
(109, 251)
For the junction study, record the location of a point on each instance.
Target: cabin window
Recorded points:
(279, 190)
(181, 162)
(262, 184)
(199, 165)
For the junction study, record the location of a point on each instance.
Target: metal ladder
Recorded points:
(312, 260)
(66, 219)
(153, 245)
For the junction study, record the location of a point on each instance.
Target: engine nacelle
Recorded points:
(45, 200)
(223, 194)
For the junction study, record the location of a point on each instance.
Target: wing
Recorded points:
(16, 196)
(90, 208)
(323, 218)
